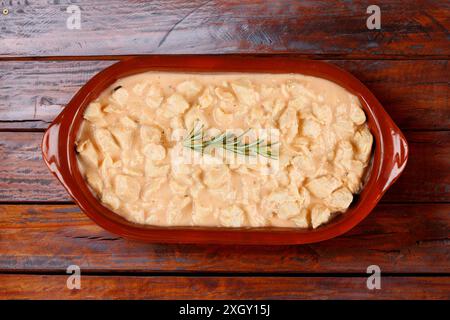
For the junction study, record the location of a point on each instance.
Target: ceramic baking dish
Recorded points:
(390, 151)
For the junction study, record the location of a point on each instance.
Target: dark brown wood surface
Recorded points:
(43, 64)
(312, 28)
(400, 238)
(170, 287)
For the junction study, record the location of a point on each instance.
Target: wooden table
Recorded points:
(43, 63)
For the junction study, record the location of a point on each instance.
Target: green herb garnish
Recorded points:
(228, 141)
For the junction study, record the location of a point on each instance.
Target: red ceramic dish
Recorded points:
(390, 151)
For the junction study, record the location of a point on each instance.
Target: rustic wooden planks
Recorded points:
(398, 238)
(43, 64)
(131, 287)
(414, 92)
(427, 174)
(32, 94)
(25, 178)
(312, 28)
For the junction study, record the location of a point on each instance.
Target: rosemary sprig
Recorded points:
(228, 141)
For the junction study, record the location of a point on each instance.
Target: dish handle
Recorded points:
(50, 152)
(395, 163)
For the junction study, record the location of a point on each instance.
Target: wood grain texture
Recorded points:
(312, 28)
(123, 287)
(43, 64)
(25, 178)
(427, 174)
(414, 92)
(398, 238)
(32, 94)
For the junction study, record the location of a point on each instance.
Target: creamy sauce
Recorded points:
(129, 152)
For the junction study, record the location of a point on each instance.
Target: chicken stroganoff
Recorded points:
(131, 141)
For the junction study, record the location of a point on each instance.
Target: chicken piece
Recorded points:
(323, 187)
(319, 215)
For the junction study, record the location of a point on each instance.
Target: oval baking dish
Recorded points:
(390, 151)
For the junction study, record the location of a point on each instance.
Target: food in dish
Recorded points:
(134, 136)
